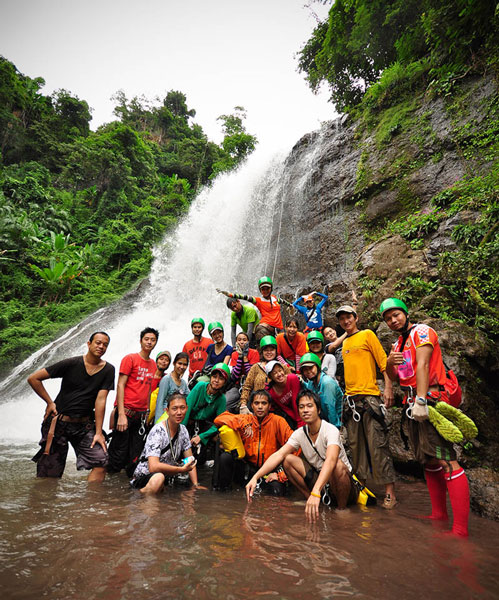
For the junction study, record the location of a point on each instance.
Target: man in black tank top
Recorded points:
(77, 414)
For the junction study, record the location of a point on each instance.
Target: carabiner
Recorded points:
(326, 498)
(351, 404)
(408, 410)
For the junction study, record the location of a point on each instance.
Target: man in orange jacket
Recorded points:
(262, 434)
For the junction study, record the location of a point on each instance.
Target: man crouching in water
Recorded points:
(324, 459)
(166, 445)
(78, 411)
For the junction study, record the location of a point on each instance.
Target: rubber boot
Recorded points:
(437, 488)
(459, 494)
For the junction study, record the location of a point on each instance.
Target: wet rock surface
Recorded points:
(322, 242)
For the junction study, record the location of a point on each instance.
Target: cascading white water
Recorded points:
(230, 238)
(207, 250)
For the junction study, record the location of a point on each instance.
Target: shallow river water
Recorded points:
(63, 539)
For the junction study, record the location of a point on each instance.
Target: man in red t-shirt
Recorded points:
(197, 348)
(136, 381)
(416, 363)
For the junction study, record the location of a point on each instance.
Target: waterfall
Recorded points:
(225, 241)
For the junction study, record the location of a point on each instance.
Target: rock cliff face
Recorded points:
(336, 235)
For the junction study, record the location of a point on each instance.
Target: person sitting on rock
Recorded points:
(324, 386)
(244, 315)
(311, 311)
(219, 351)
(257, 377)
(291, 344)
(268, 305)
(315, 341)
(242, 359)
(283, 389)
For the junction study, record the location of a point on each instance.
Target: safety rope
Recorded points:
(278, 236)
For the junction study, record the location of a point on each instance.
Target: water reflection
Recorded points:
(63, 539)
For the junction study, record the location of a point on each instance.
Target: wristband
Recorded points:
(315, 495)
(420, 400)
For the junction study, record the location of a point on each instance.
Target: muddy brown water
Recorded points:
(62, 539)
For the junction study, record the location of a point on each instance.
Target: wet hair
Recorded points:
(91, 338)
(180, 355)
(231, 301)
(175, 396)
(309, 394)
(256, 393)
(290, 320)
(149, 330)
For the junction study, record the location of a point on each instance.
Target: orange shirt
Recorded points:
(268, 436)
(419, 336)
(298, 346)
(270, 311)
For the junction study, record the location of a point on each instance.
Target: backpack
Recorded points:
(453, 389)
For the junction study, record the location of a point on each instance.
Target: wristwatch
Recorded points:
(421, 400)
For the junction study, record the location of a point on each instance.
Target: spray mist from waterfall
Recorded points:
(228, 240)
(207, 250)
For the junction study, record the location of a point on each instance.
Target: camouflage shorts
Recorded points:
(427, 443)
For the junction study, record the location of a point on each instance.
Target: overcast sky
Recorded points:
(220, 53)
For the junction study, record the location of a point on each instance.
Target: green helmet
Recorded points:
(315, 335)
(197, 320)
(265, 281)
(214, 326)
(223, 369)
(268, 340)
(309, 358)
(390, 303)
(162, 353)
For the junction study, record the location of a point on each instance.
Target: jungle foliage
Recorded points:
(384, 62)
(390, 46)
(80, 210)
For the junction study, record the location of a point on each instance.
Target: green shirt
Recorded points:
(249, 315)
(203, 407)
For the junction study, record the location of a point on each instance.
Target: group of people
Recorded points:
(265, 411)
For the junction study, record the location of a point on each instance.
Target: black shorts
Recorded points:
(311, 476)
(143, 480)
(80, 436)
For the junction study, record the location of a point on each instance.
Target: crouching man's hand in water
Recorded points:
(250, 488)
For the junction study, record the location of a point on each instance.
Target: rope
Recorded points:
(278, 236)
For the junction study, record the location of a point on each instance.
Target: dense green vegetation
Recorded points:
(81, 210)
(392, 44)
(384, 62)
